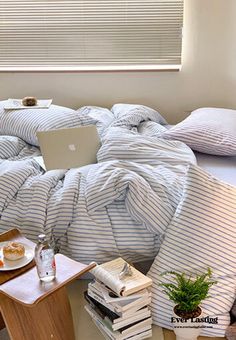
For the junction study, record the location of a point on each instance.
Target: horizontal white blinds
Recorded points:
(90, 33)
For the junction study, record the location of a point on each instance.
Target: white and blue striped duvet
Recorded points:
(201, 234)
(124, 205)
(119, 207)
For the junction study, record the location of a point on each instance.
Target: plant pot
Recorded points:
(185, 325)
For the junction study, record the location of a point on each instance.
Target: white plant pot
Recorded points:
(186, 330)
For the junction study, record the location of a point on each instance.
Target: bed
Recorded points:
(125, 205)
(223, 168)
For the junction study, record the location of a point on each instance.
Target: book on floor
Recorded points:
(116, 321)
(137, 330)
(109, 274)
(122, 306)
(118, 301)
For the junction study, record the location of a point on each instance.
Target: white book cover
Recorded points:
(127, 317)
(122, 306)
(146, 313)
(136, 331)
(142, 334)
(133, 310)
(100, 322)
(110, 297)
(132, 307)
(139, 327)
(16, 104)
(95, 295)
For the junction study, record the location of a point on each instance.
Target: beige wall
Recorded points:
(207, 78)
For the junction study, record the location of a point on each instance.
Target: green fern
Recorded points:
(188, 292)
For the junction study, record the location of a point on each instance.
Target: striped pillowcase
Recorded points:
(207, 130)
(10, 146)
(200, 235)
(26, 122)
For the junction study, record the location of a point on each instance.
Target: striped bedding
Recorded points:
(208, 130)
(201, 234)
(132, 165)
(24, 123)
(124, 205)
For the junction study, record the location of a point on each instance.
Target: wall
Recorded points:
(207, 78)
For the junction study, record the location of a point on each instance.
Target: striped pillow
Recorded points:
(200, 235)
(207, 130)
(10, 146)
(26, 122)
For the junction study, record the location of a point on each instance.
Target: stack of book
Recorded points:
(118, 301)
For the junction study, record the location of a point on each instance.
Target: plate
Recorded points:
(11, 265)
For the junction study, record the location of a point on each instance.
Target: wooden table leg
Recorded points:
(2, 323)
(50, 319)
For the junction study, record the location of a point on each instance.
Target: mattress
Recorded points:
(222, 167)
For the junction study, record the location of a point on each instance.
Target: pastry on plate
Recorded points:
(13, 251)
(29, 101)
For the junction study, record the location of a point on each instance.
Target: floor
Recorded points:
(85, 328)
(169, 335)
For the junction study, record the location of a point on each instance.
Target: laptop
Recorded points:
(69, 148)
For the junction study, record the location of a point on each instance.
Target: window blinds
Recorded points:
(90, 34)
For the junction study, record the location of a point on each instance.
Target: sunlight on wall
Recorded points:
(207, 78)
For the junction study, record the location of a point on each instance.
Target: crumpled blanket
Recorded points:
(117, 207)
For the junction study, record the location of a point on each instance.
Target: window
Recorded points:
(90, 34)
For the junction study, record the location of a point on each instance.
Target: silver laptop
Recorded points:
(69, 148)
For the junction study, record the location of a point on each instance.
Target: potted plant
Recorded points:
(187, 293)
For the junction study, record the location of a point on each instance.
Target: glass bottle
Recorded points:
(45, 260)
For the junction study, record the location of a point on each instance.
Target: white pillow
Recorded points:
(25, 123)
(200, 235)
(207, 130)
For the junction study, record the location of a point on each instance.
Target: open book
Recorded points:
(109, 274)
